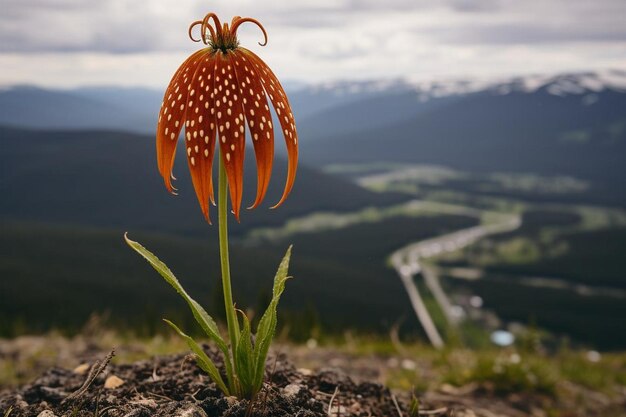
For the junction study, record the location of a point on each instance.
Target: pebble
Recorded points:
(291, 390)
(46, 413)
(408, 364)
(19, 402)
(113, 382)
(311, 343)
(231, 400)
(190, 411)
(81, 369)
(305, 371)
(393, 362)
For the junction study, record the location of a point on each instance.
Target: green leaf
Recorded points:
(206, 322)
(244, 361)
(414, 407)
(204, 362)
(267, 324)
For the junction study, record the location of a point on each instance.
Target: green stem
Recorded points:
(222, 206)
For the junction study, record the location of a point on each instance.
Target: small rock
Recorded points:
(292, 390)
(46, 413)
(231, 400)
(311, 343)
(19, 402)
(113, 382)
(305, 371)
(82, 368)
(448, 389)
(408, 364)
(393, 362)
(190, 411)
(452, 390)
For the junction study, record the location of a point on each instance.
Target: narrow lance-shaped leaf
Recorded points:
(204, 362)
(244, 361)
(414, 407)
(201, 316)
(267, 324)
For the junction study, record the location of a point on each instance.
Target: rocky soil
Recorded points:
(173, 386)
(53, 376)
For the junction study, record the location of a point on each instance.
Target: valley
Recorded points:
(385, 167)
(527, 248)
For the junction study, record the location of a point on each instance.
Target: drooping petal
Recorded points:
(200, 131)
(281, 105)
(257, 113)
(172, 115)
(231, 131)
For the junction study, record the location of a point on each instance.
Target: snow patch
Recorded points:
(583, 83)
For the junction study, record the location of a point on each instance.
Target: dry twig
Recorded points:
(395, 402)
(96, 369)
(332, 399)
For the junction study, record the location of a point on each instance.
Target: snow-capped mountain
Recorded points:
(572, 124)
(557, 84)
(326, 109)
(345, 106)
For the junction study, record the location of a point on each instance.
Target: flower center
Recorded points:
(224, 40)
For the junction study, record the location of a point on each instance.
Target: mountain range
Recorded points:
(540, 131)
(568, 124)
(77, 168)
(321, 109)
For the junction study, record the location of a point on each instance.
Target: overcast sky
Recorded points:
(65, 43)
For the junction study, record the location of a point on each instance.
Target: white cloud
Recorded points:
(72, 42)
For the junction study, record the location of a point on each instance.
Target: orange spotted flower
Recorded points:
(214, 94)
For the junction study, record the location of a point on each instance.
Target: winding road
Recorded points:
(406, 262)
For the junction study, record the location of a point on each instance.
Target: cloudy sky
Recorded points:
(66, 43)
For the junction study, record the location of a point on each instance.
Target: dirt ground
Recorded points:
(38, 376)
